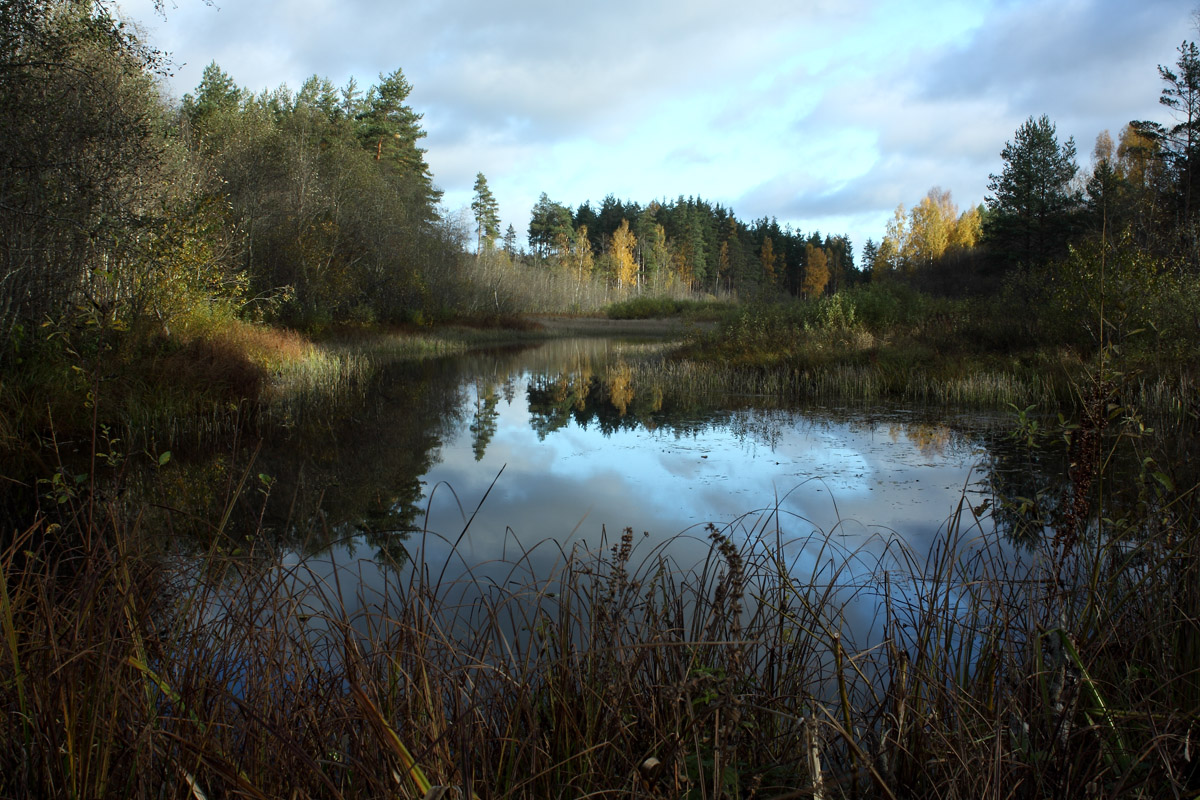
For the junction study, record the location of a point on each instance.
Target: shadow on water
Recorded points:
(489, 469)
(570, 439)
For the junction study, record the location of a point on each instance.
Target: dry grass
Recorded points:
(781, 665)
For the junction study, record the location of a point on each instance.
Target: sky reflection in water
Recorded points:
(825, 485)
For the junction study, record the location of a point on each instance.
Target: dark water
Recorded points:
(496, 464)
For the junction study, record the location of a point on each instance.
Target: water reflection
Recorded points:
(581, 449)
(566, 445)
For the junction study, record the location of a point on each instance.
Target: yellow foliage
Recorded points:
(768, 259)
(1137, 158)
(621, 250)
(967, 230)
(816, 272)
(933, 228)
(619, 385)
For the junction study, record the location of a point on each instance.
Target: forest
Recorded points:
(196, 284)
(136, 227)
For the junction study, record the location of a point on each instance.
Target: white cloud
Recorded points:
(819, 113)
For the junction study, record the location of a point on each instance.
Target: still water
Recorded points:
(495, 464)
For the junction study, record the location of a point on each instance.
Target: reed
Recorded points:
(883, 342)
(128, 669)
(680, 379)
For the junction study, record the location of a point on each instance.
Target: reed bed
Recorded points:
(779, 665)
(851, 383)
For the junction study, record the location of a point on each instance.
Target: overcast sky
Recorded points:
(825, 114)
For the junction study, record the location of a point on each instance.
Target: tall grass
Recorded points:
(847, 383)
(782, 664)
(885, 341)
(216, 376)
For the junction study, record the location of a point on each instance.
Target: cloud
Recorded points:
(819, 113)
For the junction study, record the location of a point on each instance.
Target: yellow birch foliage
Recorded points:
(930, 225)
(916, 240)
(816, 272)
(1137, 158)
(621, 250)
(967, 230)
(768, 258)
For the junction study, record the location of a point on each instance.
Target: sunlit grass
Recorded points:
(884, 342)
(846, 383)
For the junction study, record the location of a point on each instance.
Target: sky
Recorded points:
(825, 114)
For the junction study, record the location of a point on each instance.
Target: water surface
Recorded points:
(467, 465)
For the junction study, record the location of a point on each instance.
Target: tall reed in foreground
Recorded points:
(781, 665)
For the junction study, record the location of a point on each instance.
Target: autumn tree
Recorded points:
(931, 230)
(766, 257)
(621, 249)
(816, 272)
(889, 257)
(931, 226)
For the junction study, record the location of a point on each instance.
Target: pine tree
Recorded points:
(388, 127)
(550, 226)
(869, 256)
(487, 216)
(1032, 202)
(1182, 140)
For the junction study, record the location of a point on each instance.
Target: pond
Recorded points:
(495, 464)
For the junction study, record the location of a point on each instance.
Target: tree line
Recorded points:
(316, 205)
(689, 240)
(1044, 209)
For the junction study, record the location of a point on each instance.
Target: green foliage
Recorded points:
(84, 164)
(487, 215)
(1032, 200)
(550, 227)
(331, 201)
(704, 246)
